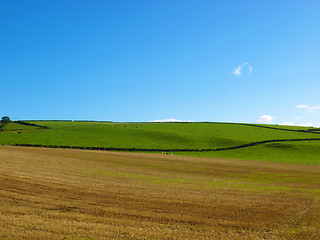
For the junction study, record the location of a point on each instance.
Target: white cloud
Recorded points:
(238, 71)
(302, 106)
(308, 108)
(266, 119)
(169, 120)
(287, 123)
(305, 124)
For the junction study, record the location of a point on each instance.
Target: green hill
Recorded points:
(185, 137)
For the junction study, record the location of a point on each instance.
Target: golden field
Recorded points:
(78, 194)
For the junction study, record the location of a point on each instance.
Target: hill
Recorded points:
(231, 140)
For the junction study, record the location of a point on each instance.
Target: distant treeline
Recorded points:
(166, 150)
(31, 124)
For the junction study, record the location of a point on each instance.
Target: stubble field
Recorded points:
(78, 194)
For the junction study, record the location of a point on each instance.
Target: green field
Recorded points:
(218, 193)
(290, 152)
(174, 136)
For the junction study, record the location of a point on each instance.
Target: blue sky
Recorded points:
(226, 61)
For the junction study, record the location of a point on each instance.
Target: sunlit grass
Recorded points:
(173, 136)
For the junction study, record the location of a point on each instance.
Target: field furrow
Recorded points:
(64, 193)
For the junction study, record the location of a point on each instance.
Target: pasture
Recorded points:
(194, 139)
(301, 152)
(80, 194)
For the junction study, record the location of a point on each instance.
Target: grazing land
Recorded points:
(81, 194)
(302, 152)
(229, 140)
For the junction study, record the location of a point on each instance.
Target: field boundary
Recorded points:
(166, 150)
(26, 122)
(274, 128)
(31, 124)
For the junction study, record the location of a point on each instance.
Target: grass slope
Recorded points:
(290, 152)
(172, 136)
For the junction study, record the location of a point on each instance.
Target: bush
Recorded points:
(5, 120)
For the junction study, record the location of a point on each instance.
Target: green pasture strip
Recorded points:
(169, 150)
(146, 135)
(304, 152)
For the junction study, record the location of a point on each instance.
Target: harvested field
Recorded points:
(77, 194)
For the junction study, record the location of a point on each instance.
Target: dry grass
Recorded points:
(75, 194)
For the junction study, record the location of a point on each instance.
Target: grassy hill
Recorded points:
(171, 137)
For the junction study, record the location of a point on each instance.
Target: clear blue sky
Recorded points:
(231, 61)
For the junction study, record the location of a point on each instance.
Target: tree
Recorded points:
(5, 120)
